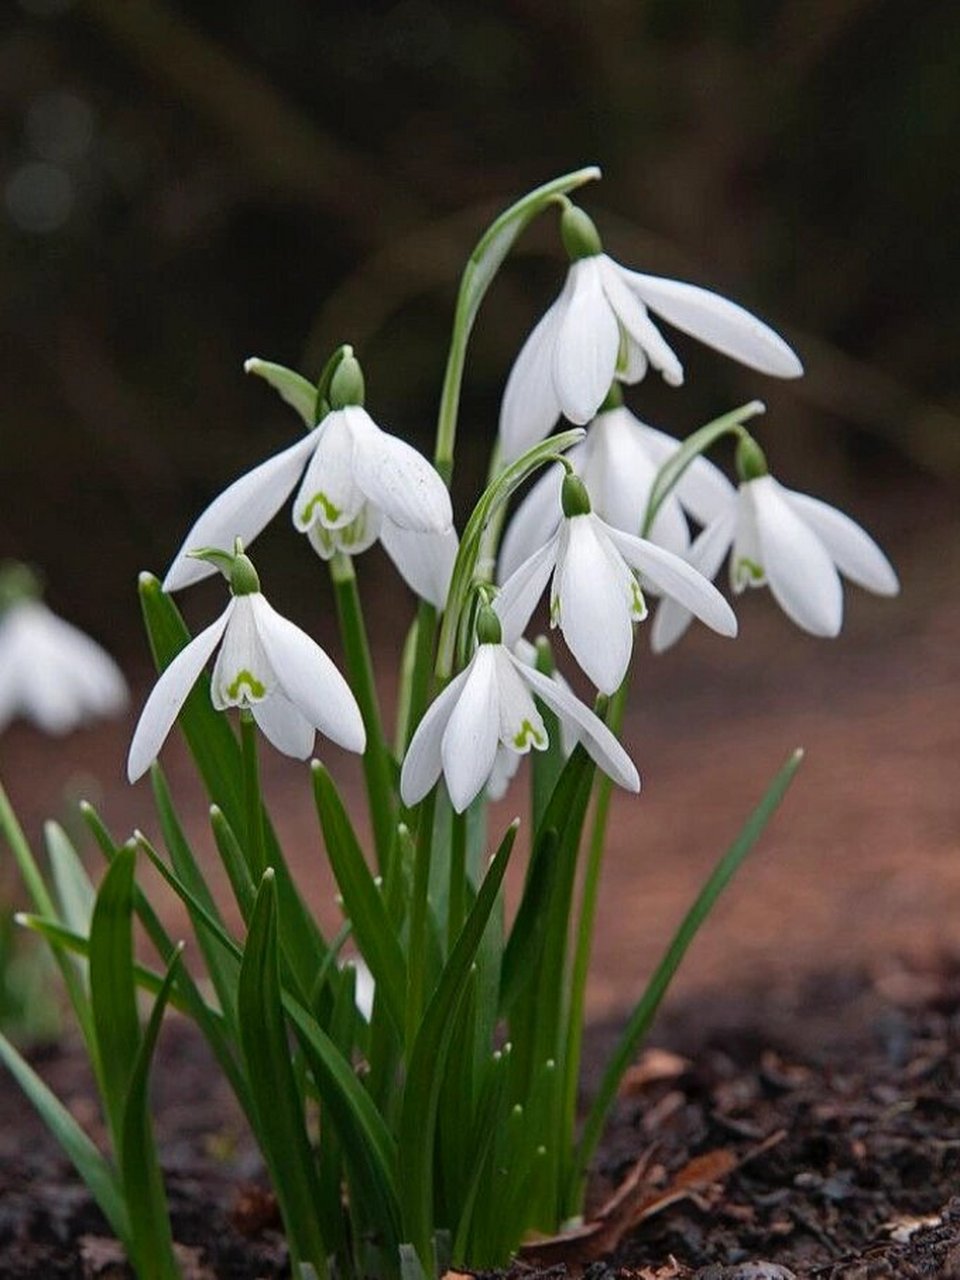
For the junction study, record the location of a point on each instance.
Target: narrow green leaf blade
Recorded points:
(293, 388)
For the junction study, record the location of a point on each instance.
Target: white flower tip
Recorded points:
(215, 811)
(798, 755)
(252, 364)
(136, 768)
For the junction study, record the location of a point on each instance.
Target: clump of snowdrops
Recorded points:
(432, 1120)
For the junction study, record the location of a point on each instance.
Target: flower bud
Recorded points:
(751, 461)
(17, 582)
(489, 630)
(244, 579)
(580, 237)
(346, 385)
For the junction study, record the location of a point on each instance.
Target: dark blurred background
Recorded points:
(186, 185)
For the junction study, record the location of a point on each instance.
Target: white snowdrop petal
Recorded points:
(55, 653)
(505, 766)
(673, 576)
(242, 511)
(632, 314)
(632, 362)
(854, 552)
(469, 744)
(283, 725)
(396, 478)
(424, 560)
(599, 743)
(329, 495)
(703, 489)
(718, 322)
(530, 405)
(521, 725)
(169, 694)
(309, 678)
(423, 764)
(517, 598)
(594, 592)
(534, 522)
(706, 556)
(800, 571)
(588, 339)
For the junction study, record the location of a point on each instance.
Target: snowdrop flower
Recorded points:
(600, 328)
(618, 462)
(265, 665)
(795, 544)
(490, 704)
(595, 597)
(358, 484)
(50, 672)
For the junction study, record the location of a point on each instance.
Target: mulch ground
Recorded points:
(809, 1132)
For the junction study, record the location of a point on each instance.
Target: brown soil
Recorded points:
(816, 1004)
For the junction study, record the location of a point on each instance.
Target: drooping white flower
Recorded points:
(53, 674)
(359, 483)
(796, 545)
(595, 596)
(600, 329)
(618, 462)
(267, 665)
(490, 705)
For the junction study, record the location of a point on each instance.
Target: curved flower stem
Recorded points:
(251, 794)
(417, 957)
(378, 769)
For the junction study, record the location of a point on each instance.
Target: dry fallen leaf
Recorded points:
(903, 1229)
(651, 1066)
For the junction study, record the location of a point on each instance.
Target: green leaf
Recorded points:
(494, 496)
(83, 1155)
(112, 985)
(74, 888)
(139, 1169)
(425, 1071)
(293, 388)
(363, 902)
(231, 854)
(691, 449)
(644, 1012)
(279, 1107)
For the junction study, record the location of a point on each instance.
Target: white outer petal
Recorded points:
(283, 725)
(424, 560)
(706, 556)
(469, 745)
(396, 478)
(715, 320)
(588, 340)
(169, 694)
(854, 552)
(534, 522)
(598, 741)
(799, 568)
(593, 588)
(309, 678)
(530, 405)
(517, 598)
(673, 576)
(242, 511)
(423, 764)
(703, 489)
(505, 765)
(632, 314)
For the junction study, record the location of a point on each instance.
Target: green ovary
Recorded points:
(245, 679)
(528, 734)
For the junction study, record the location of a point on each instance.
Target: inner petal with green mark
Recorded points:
(638, 605)
(528, 735)
(329, 511)
(245, 687)
(747, 573)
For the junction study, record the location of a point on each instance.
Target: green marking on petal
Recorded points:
(748, 572)
(555, 611)
(527, 734)
(330, 510)
(638, 605)
(245, 678)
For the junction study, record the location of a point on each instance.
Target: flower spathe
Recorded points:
(599, 329)
(267, 665)
(52, 674)
(618, 462)
(490, 705)
(359, 483)
(595, 597)
(797, 545)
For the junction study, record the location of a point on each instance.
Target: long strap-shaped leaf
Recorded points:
(282, 1129)
(644, 1013)
(425, 1070)
(86, 1159)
